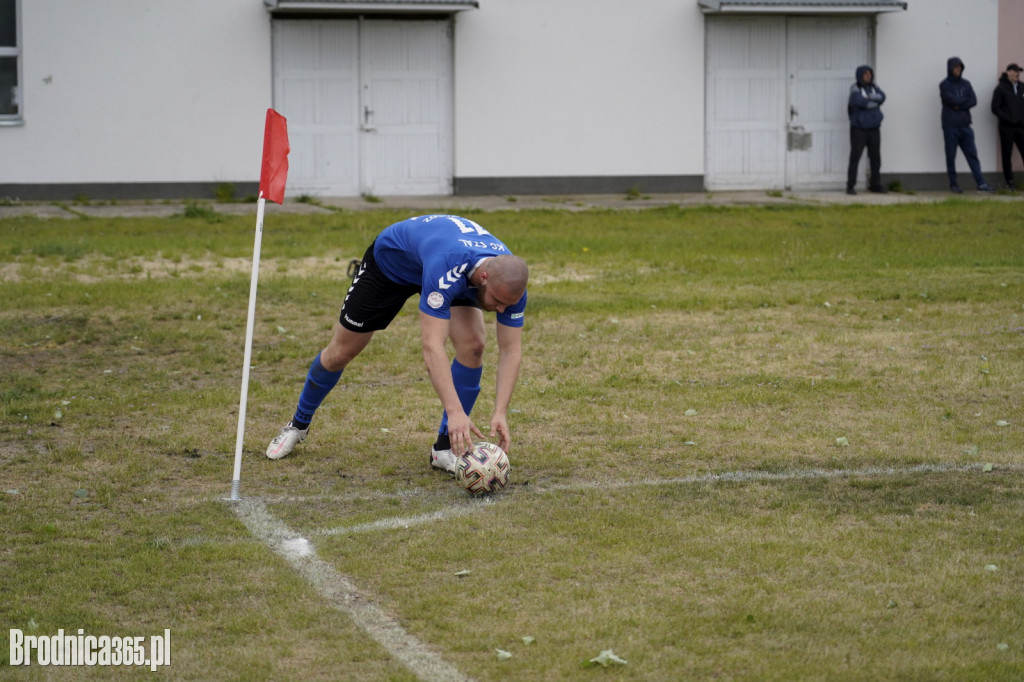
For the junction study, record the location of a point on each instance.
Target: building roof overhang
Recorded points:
(369, 6)
(800, 6)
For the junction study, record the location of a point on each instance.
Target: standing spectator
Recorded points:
(1008, 106)
(957, 100)
(865, 128)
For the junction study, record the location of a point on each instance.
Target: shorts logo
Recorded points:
(517, 316)
(435, 300)
(353, 322)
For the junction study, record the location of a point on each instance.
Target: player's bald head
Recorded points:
(509, 271)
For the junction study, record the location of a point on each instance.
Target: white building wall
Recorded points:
(140, 91)
(911, 53)
(135, 91)
(579, 88)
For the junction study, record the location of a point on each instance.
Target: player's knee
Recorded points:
(470, 350)
(337, 355)
(332, 360)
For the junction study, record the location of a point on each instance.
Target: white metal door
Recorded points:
(776, 98)
(368, 104)
(822, 56)
(745, 103)
(406, 107)
(316, 87)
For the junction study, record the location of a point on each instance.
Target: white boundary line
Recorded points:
(473, 506)
(339, 592)
(396, 522)
(756, 476)
(727, 476)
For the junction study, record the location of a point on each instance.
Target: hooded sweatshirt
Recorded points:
(865, 100)
(957, 97)
(1008, 105)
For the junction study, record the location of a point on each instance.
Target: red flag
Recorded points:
(275, 157)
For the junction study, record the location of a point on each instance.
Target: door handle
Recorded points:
(367, 113)
(793, 113)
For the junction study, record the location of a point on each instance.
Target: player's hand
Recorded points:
(499, 430)
(460, 433)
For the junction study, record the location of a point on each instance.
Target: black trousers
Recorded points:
(1008, 137)
(859, 139)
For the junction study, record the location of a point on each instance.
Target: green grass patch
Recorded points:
(879, 577)
(660, 344)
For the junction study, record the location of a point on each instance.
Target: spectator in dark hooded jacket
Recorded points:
(957, 100)
(865, 128)
(1008, 106)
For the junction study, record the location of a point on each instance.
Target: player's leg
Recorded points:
(326, 370)
(468, 336)
(370, 305)
(324, 373)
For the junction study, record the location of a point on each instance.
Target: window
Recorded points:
(10, 56)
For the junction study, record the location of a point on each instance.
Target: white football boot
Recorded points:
(285, 442)
(444, 460)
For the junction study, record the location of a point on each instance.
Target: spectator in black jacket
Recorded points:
(957, 100)
(865, 123)
(1008, 106)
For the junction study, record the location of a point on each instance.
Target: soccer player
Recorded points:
(458, 269)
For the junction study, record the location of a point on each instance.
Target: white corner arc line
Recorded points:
(340, 593)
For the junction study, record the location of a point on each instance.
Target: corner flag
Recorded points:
(275, 157)
(273, 174)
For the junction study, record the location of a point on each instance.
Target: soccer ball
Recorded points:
(484, 469)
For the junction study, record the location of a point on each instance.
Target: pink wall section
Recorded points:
(1011, 26)
(1010, 49)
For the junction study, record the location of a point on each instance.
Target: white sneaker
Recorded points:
(286, 441)
(444, 460)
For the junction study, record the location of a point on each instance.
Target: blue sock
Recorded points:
(467, 386)
(319, 383)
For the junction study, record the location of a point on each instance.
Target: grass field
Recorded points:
(749, 444)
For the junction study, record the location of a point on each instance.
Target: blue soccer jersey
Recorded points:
(438, 253)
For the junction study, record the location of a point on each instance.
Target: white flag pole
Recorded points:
(236, 479)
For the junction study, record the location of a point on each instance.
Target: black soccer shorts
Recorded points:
(373, 301)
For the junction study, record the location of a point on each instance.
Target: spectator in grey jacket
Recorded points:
(1008, 106)
(865, 128)
(958, 99)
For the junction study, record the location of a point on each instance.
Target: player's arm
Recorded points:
(434, 331)
(510, 355)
